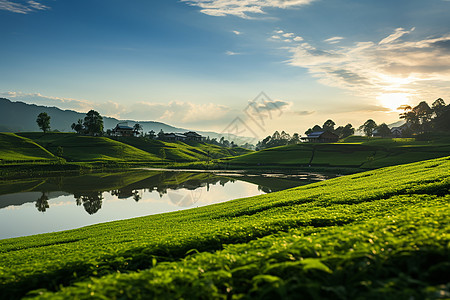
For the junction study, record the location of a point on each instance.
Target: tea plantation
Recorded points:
(381, 234)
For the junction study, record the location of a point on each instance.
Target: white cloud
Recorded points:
(413, 69)
(22, 7)
(231, 53)
(236, 32)
(242, 8)
(288, 34)
(399, 32)
(334, 40)
(275, 37)
(298, 39)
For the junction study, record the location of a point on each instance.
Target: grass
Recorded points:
(79, 148)
(19, 149)
(183, 152)
(381, 234)
(354, 152)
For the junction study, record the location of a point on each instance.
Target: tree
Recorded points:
(295, 139)
(348, 130)
(383, 130)
(151, 134)
(93, 123)
(438, 106)
(368, 127)
(161, 135)
(137, 128)
(78, 127)
(328, 126)
(43, 121)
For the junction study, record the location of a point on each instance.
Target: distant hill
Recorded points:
(20, 117)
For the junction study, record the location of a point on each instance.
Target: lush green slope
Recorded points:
(15, 148)
(379, 234)
(183, 152)
(354, 152)
(87, 148)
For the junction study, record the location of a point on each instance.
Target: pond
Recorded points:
(40, 205)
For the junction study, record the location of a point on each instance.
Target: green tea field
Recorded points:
(381, 234)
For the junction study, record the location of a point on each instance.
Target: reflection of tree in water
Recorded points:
(137, 196)
(92, 201)
(42, 202)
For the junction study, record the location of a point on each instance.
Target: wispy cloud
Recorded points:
(242, 8)
(232, 53)
(236, 32)
(399, 32)
(334, 40)
(22, 7)
(373, 69)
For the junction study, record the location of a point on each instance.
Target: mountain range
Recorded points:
(19, 117)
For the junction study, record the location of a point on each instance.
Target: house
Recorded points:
(396, 132)
(193, 136)
(182, 137)
(122, 129)
(174, 137)
(321, 137)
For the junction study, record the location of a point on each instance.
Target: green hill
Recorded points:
(14, 148)
(353, 152)
(87, 148)
(381, 234)
(183, 152)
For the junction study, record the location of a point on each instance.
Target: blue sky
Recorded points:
(197, 64)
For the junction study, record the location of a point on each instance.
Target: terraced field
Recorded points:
(354, 152)
(381, 234)
(15, 148)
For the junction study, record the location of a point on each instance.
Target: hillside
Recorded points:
(14, 148)
(353, 152)
(362, 236)
(79, 148)
(183, 152)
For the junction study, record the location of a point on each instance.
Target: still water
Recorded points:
(40, 205)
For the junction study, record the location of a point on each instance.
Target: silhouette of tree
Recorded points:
(93, 123)
(43, 121)
(137, 129)
(78, 127)
(328, 126)
(383, 130)
(42, 203)
(368, 127)
(92, 201)
(151, 134)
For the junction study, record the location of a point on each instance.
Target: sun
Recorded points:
(393, 100)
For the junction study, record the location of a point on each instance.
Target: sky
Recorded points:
(253, 66)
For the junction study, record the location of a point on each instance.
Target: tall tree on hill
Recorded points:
(137, 129)
(93, 123)
(43, 121)
(383, 130)
(328, 125)
(368, 127)
(78, 127)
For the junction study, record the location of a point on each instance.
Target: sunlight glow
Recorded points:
(394, 100)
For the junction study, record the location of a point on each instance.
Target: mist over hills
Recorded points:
(19, 117)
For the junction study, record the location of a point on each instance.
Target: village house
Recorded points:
(321, 137)
(396, 132)
(122, 129)
(182, 137)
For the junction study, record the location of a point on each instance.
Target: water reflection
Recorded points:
(88, 190)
